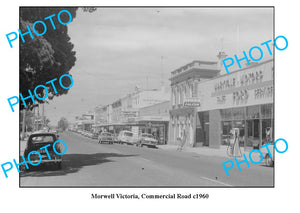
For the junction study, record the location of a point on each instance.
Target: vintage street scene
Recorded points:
(146, 97)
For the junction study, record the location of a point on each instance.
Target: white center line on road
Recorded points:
(219, 182)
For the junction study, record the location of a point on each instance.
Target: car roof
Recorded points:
(126, 131)
(43, 134)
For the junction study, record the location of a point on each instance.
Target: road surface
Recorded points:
(89, 164)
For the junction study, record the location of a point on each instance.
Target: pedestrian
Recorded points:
(181, 139)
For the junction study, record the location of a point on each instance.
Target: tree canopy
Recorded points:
(63, 124)
(45, 57)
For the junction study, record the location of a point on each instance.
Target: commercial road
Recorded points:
(90, 164)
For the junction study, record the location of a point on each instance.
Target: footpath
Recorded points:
(207, 151)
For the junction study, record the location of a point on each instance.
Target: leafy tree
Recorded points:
(45, 57)
(63, 124)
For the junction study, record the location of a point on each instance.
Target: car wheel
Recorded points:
(59, 165)
(268, 160)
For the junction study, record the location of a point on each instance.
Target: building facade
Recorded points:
(154, 120)
(185, 98)
(123, 114)
(243, 99)
(85, 121)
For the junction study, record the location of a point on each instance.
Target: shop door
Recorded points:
(206, 130)
(253, 133)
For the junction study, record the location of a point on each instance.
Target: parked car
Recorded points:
(146, 139)
(106, 137)
(38, 140)
(89, 134)
(95, 135)
(127, 137)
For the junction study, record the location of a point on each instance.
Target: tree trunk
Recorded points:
(23, 124)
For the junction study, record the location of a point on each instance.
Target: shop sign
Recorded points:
(130, 116)
(192, 104)
(239, 80)
(251, 86)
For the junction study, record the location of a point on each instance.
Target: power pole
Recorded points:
(162, 71)
(23, 124)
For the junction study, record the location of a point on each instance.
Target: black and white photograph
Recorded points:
(146, 97)
(149, 106)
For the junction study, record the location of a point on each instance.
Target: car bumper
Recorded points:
(45, 161)
(149, 143)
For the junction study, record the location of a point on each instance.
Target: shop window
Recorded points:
(226, 127)
(195, 90)
(256, 128)
(253, 112)
(238, 113)
(267, 131)
(267, 111)
(226, 114)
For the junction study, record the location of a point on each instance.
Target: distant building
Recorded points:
(85, 121)
(101, 114)
(154, 119)
(124, 112)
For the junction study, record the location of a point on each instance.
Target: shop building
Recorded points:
(85, 121)
(123, 113)
(243, 99)
(207, 106)
(185, 98)
(154, 120)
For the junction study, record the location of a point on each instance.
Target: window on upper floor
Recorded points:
(195, 89)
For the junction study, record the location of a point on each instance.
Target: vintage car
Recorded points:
(106, 137)
(146, 139)
(127, 137)
(38, 140)
(95, 135)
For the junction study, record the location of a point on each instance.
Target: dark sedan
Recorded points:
(39, 140)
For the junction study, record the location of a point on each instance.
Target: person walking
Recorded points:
(181, 140)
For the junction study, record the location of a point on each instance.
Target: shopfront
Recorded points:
(253, 123)
(154, 120)
(243, 99)
(159, 129)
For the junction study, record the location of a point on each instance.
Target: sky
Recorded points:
(118, 49)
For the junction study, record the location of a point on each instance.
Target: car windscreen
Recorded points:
(129, 134)
(106, 134)
(147, 135)
(42, 139)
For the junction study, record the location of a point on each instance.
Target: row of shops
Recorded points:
(143, 111)
(242, 99)
(202, 104)
(153, 119)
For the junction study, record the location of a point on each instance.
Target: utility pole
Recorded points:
(23, 124)
(147, 83)
(162, 71)
(43, 116)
